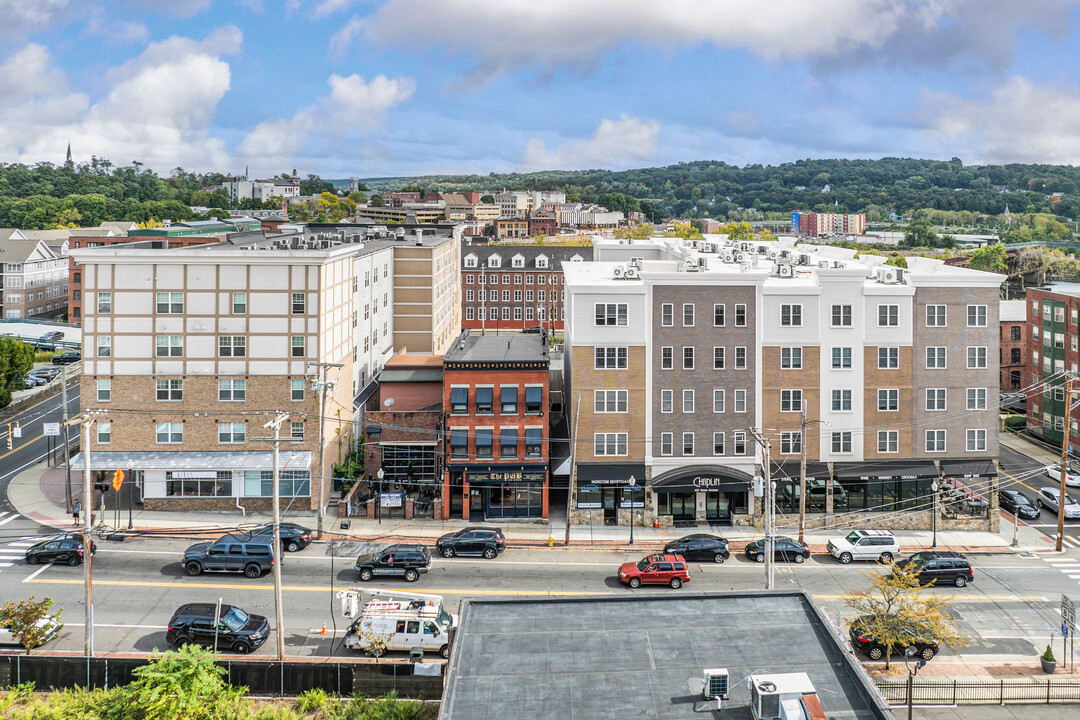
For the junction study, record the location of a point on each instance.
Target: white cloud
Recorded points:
(615, 143)
(27, 73)
(20, 16)
(158, 109)
(343, 38)
(1019, 121)
(522, 33)
(182, 8)
(329, 7)
(353, 106)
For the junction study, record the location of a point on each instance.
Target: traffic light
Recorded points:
(101, 487)
(9, 444)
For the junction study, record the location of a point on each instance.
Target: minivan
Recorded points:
(232, 553)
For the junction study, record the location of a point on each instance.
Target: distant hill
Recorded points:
(880, 187)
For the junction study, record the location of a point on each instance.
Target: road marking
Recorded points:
(103, 625)
(17, 470)
(23, 544)
(6, 564)
(1066, 560)
(38, 572)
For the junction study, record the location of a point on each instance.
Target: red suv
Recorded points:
(655, 570)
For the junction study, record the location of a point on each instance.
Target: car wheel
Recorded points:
(31, 559)
(675, 583)
(448, 552)
(927, 653)
(759, 558)
(241, 647)
(799, 558)
(634, 582)
(181, 642)
(411, 576)
(845, 558)
(960, 581)
(292, 546)
(876, 652)
(366, 575)
(445, 651)
(718, 558)
(193, 569)
(253, 571)
(490, 553)
(885, 557)
(73, 560)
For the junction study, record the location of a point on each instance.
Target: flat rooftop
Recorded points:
(529, 347)
(642, 656)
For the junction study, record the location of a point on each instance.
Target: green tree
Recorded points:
(487, 199)
(991, 258)
(177, 685)
(893, 609)
(376, 201)
(16, 359)
(30, 622)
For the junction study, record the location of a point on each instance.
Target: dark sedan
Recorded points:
(62, 548)
(784, 548)
(293, 537)
(1019, 504)
(701, 547)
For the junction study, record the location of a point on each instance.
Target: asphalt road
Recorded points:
(1026, 475)
(1009, 611)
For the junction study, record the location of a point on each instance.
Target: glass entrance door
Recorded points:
(717, 507)
(682, 507)
(611, 505)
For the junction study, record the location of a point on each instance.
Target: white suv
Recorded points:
(864, 545)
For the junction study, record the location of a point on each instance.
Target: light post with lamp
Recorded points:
(131, 481)
(378, 503)
(909, 653)
(934, 489)
(633, 485)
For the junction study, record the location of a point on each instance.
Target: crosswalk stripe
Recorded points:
(8, 519)
(20, 544)
(1061, 561)
(8, 555)
(1075, 577)
(1069, 541)
(6, 564)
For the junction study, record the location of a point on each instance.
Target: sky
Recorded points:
(375, 88)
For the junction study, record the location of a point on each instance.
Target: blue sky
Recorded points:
(403, 87)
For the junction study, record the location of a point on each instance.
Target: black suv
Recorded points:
(942, 568)
(236, 630)
(232, 553)
(66, 358)
(473, 540)
(293, 537)
(401, 560)
(871, 648)
(67, 548)
(700, 547)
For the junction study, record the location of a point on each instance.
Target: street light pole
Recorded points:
(130, 481)
(633, 483)
(934, 510)
(378, 503)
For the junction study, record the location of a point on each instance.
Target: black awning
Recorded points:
(610, 474)
(877, 470)
(968, 468)
(790, 469)
(702, 477)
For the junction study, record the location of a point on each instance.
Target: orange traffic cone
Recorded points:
(323, 631)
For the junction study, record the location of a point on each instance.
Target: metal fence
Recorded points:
(979, 692)
(261, 677)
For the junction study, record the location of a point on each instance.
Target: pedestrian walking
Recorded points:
(75, 508)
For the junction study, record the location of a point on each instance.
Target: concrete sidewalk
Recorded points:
(38, 493)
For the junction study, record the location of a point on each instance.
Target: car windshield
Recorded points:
(444, 619)
(852, 537)
(1070, 500)
(643, 564)
(235, 619)
(1021, 499)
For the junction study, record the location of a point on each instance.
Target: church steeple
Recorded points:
(69, 163)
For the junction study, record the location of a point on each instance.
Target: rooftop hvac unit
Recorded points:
(618, 271)
(888, 275)
(786, 271)
(714, 684)
(839, 265)
(636, 262)
(772, 253)
(632, 273)
(823, 263)
(728, 256)
(690, 263)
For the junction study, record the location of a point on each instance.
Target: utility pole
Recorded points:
(67, 435)
(573, 466)
(276, 441)
(802, 471)
(86, 419)
(768, 510)
(1064, 460)
(321, 386)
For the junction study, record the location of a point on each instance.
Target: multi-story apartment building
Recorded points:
(513, 287)
(1014, 344)
(495, 400)
(34, 279)
(1052, 335)
(827, 224)
(674, 353)
(521, 203)
(510, 229)
(589, 217)
(187, 352)
(262, 190)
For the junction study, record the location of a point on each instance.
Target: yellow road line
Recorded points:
(15, 450)
(1017, 480)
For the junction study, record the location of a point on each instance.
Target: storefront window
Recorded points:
(209, 484)
(517, 500)
(588, 496)
(636, 496)
(260, 483)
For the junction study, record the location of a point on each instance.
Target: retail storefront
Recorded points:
(499, 491)
(609, 492)
(703, 493)
(789, 487)
(884, 486)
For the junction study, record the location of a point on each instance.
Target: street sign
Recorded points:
(1064, 631)
(390, 500)
(52, 429)
(1068, 613)
(117, 479)
(16, 431)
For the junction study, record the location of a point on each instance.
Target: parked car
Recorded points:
(784, 548)
(47, 372)
(1018, 504)
(67, 548)
(880, 545)
(231, 553)
(1048, 497)
(30, 381)
(236, 630)
(400, 560)
(50, 624)
(666, 569)
(1072, 474)
(52, 336)
(474, 540)
(941, 568)
(66, 358)
(700, 547)
(925, 648)
(293, 537)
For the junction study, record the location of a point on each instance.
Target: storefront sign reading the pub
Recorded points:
(506, 476)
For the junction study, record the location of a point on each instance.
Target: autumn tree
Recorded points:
(893, 610)
(30, 622)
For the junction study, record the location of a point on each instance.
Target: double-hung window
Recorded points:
(976, 315)
(790, 315)
(976, 357)
(935, 316)
(718, 358)
(170, 389)
(888, 315)
(610, 313)
(169, 345)
(170, 302)
(841, 358)
(841, 316)
(790, 400)
(888, 400)
(232, 346)
(791, 358)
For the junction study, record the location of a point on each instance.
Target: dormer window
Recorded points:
(541, 261)
(494, 261)
(470, 261)
(518, 261)
(576, 258)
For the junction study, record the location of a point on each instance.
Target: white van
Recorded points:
(416, 623)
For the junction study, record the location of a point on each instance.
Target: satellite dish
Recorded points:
(388, 402)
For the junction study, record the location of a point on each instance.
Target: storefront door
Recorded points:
(682, 506)
(717, 508)
(610, 499)
(476, 504)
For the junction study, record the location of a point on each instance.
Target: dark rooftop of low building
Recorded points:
(642, 656)
(469, 348)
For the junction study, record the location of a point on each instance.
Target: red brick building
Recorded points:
(495, 400)
(513, 287)
(1053, 336)
(1014, 344)
(543, 222)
